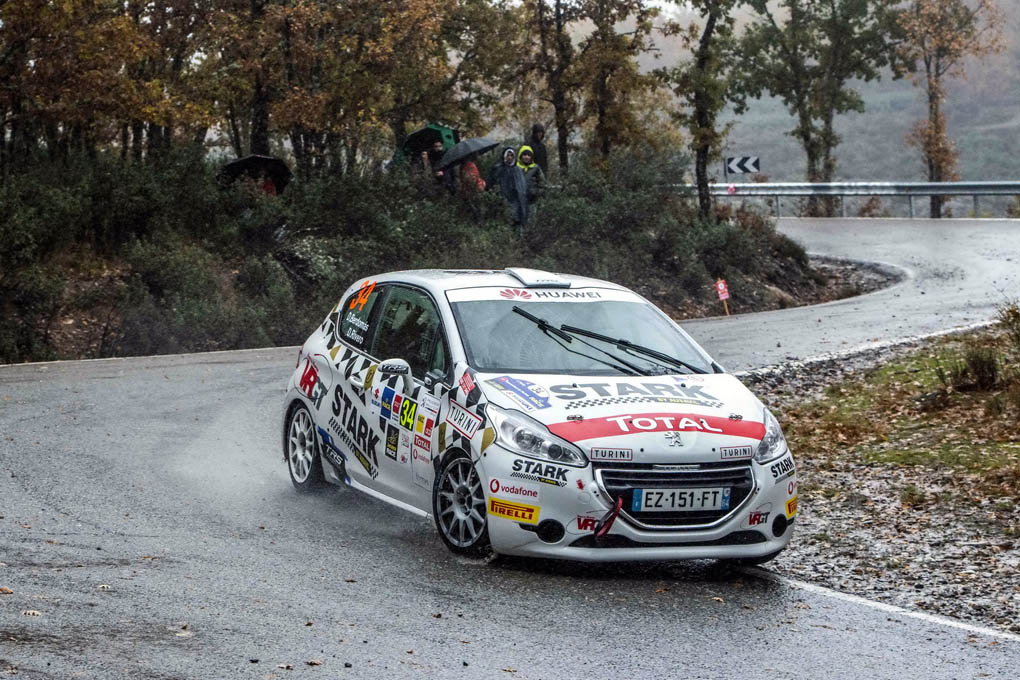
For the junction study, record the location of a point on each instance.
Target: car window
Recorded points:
(408, 328)
(356, 315)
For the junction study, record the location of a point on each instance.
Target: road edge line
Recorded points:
(882, 606)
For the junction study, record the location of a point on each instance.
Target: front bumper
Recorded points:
(760, 521)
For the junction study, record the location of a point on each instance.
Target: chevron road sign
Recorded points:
(740, 164)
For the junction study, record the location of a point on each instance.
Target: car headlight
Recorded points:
(518, 433)
(773, 444)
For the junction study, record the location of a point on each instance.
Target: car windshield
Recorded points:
(498, 340)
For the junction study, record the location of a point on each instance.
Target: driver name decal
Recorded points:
(594, 428)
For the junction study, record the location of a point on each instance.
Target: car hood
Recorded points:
(643, 419)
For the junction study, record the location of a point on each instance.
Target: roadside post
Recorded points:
(724, 294)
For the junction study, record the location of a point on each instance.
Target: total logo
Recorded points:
(515, 294)
(519, 490)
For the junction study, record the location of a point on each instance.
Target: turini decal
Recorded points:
(638, 423)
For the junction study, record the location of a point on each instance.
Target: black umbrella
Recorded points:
(257, 167)
(465, 148)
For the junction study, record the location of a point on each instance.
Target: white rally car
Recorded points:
(529, 413)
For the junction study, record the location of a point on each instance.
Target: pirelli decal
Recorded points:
(517, 512)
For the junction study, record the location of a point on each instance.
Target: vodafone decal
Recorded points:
(519, 490)
(594, 428)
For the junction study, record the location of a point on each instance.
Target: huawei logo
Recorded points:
(515, 293)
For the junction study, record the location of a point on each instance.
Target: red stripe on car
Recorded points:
(637, 423)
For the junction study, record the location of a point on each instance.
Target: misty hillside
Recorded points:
(982, 109)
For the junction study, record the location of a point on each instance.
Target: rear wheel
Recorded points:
(302, 451)
(458, 505)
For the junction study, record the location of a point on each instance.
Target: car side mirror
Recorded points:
(398, 367)
(432, 378)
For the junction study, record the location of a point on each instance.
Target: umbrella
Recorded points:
(423, 139)
(256, 167)
(464, 149)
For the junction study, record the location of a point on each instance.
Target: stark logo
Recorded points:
(514, 293)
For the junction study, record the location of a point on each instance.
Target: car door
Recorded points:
(409, 327)
(347, 436)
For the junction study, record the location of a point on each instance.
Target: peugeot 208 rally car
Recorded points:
(529, 413)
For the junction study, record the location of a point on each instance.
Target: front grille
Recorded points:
(619, 480)
(617, 541)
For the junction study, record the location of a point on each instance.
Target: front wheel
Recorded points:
(302, 453)
(458, 506)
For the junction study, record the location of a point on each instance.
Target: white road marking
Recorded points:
(882, 606)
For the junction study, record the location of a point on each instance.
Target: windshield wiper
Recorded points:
(548, 328)
(628, 345)
(542, 323)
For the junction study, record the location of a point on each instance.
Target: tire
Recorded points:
(458, 507)
(302, 451)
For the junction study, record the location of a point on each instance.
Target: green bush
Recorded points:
(191, 265)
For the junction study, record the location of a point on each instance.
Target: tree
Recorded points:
(704, 85)
(936, 36)
(608, 66)
(809, 58)
(554, 61)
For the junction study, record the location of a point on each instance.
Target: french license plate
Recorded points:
(673, 500)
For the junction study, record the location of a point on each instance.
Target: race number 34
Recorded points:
(358, 302)
(407, 411)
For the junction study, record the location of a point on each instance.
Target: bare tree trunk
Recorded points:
(137, 134)
(935, 132)
(259, 139)
(704, 118)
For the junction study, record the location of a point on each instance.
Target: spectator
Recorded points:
(471, 180)
(430, 161)
(534, 178)
(537, 144)
(510, 179)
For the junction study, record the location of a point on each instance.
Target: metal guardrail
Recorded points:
(777, 190)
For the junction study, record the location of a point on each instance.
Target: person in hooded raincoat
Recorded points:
(509, 179)
(537, 144)
(534, 178)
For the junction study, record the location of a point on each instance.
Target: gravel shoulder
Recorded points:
(903, 534)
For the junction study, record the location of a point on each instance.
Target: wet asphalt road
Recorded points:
(958, 271)
(162, 479)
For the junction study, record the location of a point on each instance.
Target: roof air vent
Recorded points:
(536, 278)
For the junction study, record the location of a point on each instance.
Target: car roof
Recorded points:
(438, 281)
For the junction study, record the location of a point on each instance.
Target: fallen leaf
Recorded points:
(285, 666)
(313, 662)
(437, 615)
(103, 586)
(350, 580)
(509, 670)
(718, 599)
(308, 624)
(6, 591)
